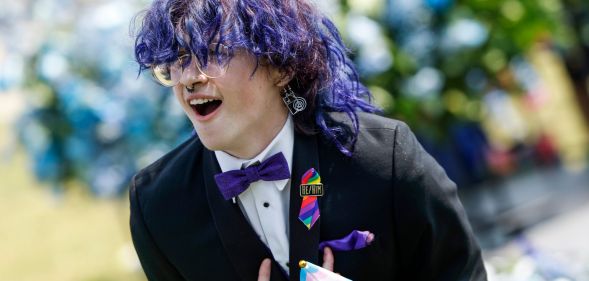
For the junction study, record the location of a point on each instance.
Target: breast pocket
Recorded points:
(368, 263)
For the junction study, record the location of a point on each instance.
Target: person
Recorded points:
(290, 160)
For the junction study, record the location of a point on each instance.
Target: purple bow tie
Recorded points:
(232, 183)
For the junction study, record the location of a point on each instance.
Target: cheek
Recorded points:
(250, 99)
(247, 94)
(241, 95)
(178, 94)
(258, 101)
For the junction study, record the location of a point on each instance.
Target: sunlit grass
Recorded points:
(61, 238)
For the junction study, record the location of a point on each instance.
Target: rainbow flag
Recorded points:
(311, 272)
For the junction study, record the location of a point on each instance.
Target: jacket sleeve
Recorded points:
(154, 263)
(435, 240)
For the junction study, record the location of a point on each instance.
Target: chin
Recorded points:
(213, 138)
(207, 142)
(210, 143)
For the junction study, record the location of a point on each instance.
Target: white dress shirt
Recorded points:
(265, 204)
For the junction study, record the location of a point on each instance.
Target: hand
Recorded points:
(264, 273)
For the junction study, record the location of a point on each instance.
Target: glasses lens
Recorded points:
(168, 74)
(165, 74)
(217, 61)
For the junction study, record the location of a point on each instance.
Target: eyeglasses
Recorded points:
(217, 61)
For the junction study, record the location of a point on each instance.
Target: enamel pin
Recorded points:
(310, 188)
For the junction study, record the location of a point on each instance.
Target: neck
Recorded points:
(260, 138)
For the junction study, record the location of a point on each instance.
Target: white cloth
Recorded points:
(265, 204)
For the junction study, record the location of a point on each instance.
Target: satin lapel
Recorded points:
(241, 242)
(304, 243)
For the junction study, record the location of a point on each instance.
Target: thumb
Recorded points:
(328, 259)
(264, 272)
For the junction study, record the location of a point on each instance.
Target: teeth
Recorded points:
(200, 101)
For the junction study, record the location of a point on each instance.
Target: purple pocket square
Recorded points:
(353, 241)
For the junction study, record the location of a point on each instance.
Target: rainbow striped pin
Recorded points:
(310, 188)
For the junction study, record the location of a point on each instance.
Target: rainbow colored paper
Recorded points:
(309, 212)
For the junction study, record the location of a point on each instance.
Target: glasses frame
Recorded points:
(179, 64)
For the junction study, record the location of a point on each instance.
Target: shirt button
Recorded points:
(266, 204)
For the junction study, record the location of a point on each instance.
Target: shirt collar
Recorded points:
(282, 142)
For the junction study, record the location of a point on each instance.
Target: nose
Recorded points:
(191, 75)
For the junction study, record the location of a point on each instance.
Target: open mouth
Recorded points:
(204, 107)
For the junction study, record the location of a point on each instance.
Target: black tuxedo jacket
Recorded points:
(182, 228)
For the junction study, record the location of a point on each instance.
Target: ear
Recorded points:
(281, 78)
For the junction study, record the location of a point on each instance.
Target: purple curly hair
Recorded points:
(291, 35)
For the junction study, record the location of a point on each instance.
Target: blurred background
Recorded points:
(497, 91)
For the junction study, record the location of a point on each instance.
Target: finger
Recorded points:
(328, 259)
(370, 238)
(264, 273)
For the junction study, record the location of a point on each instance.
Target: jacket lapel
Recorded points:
(304, 243)
(244, 248)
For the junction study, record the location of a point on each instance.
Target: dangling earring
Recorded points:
(295, 104)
